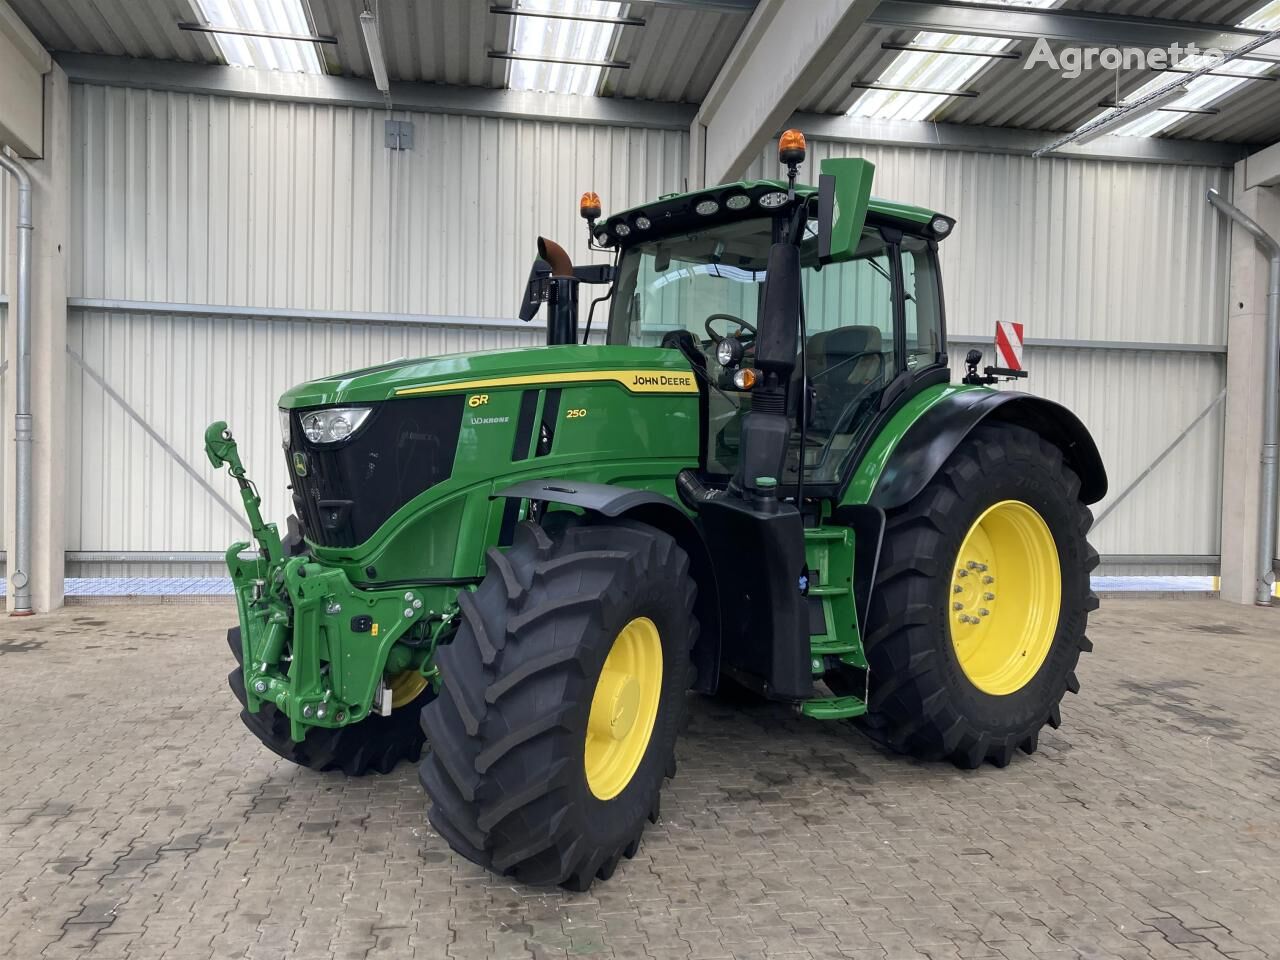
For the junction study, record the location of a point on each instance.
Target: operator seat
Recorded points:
(842, 365)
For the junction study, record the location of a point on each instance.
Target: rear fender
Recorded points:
(645, 506)
(943, 427)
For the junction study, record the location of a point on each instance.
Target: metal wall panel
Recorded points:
(8, 227)
(1084, 249)
(217, 200)
(1136, 404)
(125, 492)
(213, 200)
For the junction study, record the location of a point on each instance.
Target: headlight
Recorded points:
(773, 199)
(739, 201)
(706, 208)
(643, 222)
(621, 230)
(729, 351)
(286, 432)
(941, 226)
(333, 424)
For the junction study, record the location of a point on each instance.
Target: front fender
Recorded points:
(645, 506)
(943, 427)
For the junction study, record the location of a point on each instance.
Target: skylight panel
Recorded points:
(934, 71)
(577, 40)
(264, 16)
(1203, 91)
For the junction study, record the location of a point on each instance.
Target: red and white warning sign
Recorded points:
(1009, 345)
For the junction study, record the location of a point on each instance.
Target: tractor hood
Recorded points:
(636, 369)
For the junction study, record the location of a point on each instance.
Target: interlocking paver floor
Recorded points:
(139, 819)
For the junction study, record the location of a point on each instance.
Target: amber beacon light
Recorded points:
(791, 147)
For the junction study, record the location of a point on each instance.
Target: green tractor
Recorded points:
(525, 559)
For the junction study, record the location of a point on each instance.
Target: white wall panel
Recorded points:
(125, 492)
(1074, 249)
(8, 226)
(210, 200)
(1135, 405)
(255, 203)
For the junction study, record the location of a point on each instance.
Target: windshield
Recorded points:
(707, 285)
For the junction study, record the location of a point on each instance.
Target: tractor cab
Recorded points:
(873, 325)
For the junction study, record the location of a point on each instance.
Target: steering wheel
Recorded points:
(742, 325)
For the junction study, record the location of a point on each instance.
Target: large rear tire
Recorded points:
(562, 695)
(374, 745)
(981, 602)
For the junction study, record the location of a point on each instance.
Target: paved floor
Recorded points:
(79, 589)
(138, 819)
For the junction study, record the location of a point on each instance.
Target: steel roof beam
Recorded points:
(1079, 27)
(955, 136)
(217, 80)
(782, 52)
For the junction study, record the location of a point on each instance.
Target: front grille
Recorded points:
(343, 492)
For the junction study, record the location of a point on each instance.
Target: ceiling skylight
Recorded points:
(263, 16)
(934, 71)
(1203, 91)
(580, 40)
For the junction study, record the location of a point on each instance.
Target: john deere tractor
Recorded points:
(518, 563)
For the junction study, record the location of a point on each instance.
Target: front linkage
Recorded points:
(319, 650)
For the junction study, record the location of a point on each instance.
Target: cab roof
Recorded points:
(678, 210)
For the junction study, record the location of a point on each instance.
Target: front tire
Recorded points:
(562, 695)
(981, 602)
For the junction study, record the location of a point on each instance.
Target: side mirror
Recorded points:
(844, 194)
(535, 290)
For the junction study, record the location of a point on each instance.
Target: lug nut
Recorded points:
(308, 712)
(340, 717)
(957, 589)
(957, 605)
(988, 596)
(988, 579)
(408, 613)
(260, 686)
(408, 596)
(962, 573)
(322, 711)
(972, 564)
(983, 612)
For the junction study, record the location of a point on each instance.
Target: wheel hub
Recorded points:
(1006, 596)
(624, 708)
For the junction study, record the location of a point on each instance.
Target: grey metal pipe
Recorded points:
(19, 577)
(1269, 488)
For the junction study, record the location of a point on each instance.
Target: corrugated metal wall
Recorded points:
(1101, 251)
(207, 200)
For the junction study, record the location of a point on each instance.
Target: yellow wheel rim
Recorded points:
(624, 708)
(1006, 594)
(405, 687)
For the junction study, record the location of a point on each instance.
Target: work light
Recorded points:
(729, 351)
(333, 424)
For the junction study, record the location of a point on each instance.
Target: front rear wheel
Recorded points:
(562, 694)
(981, 602)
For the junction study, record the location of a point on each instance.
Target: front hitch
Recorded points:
(221, 449)
(313, 645)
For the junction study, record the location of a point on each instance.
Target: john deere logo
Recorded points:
(300, 464)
